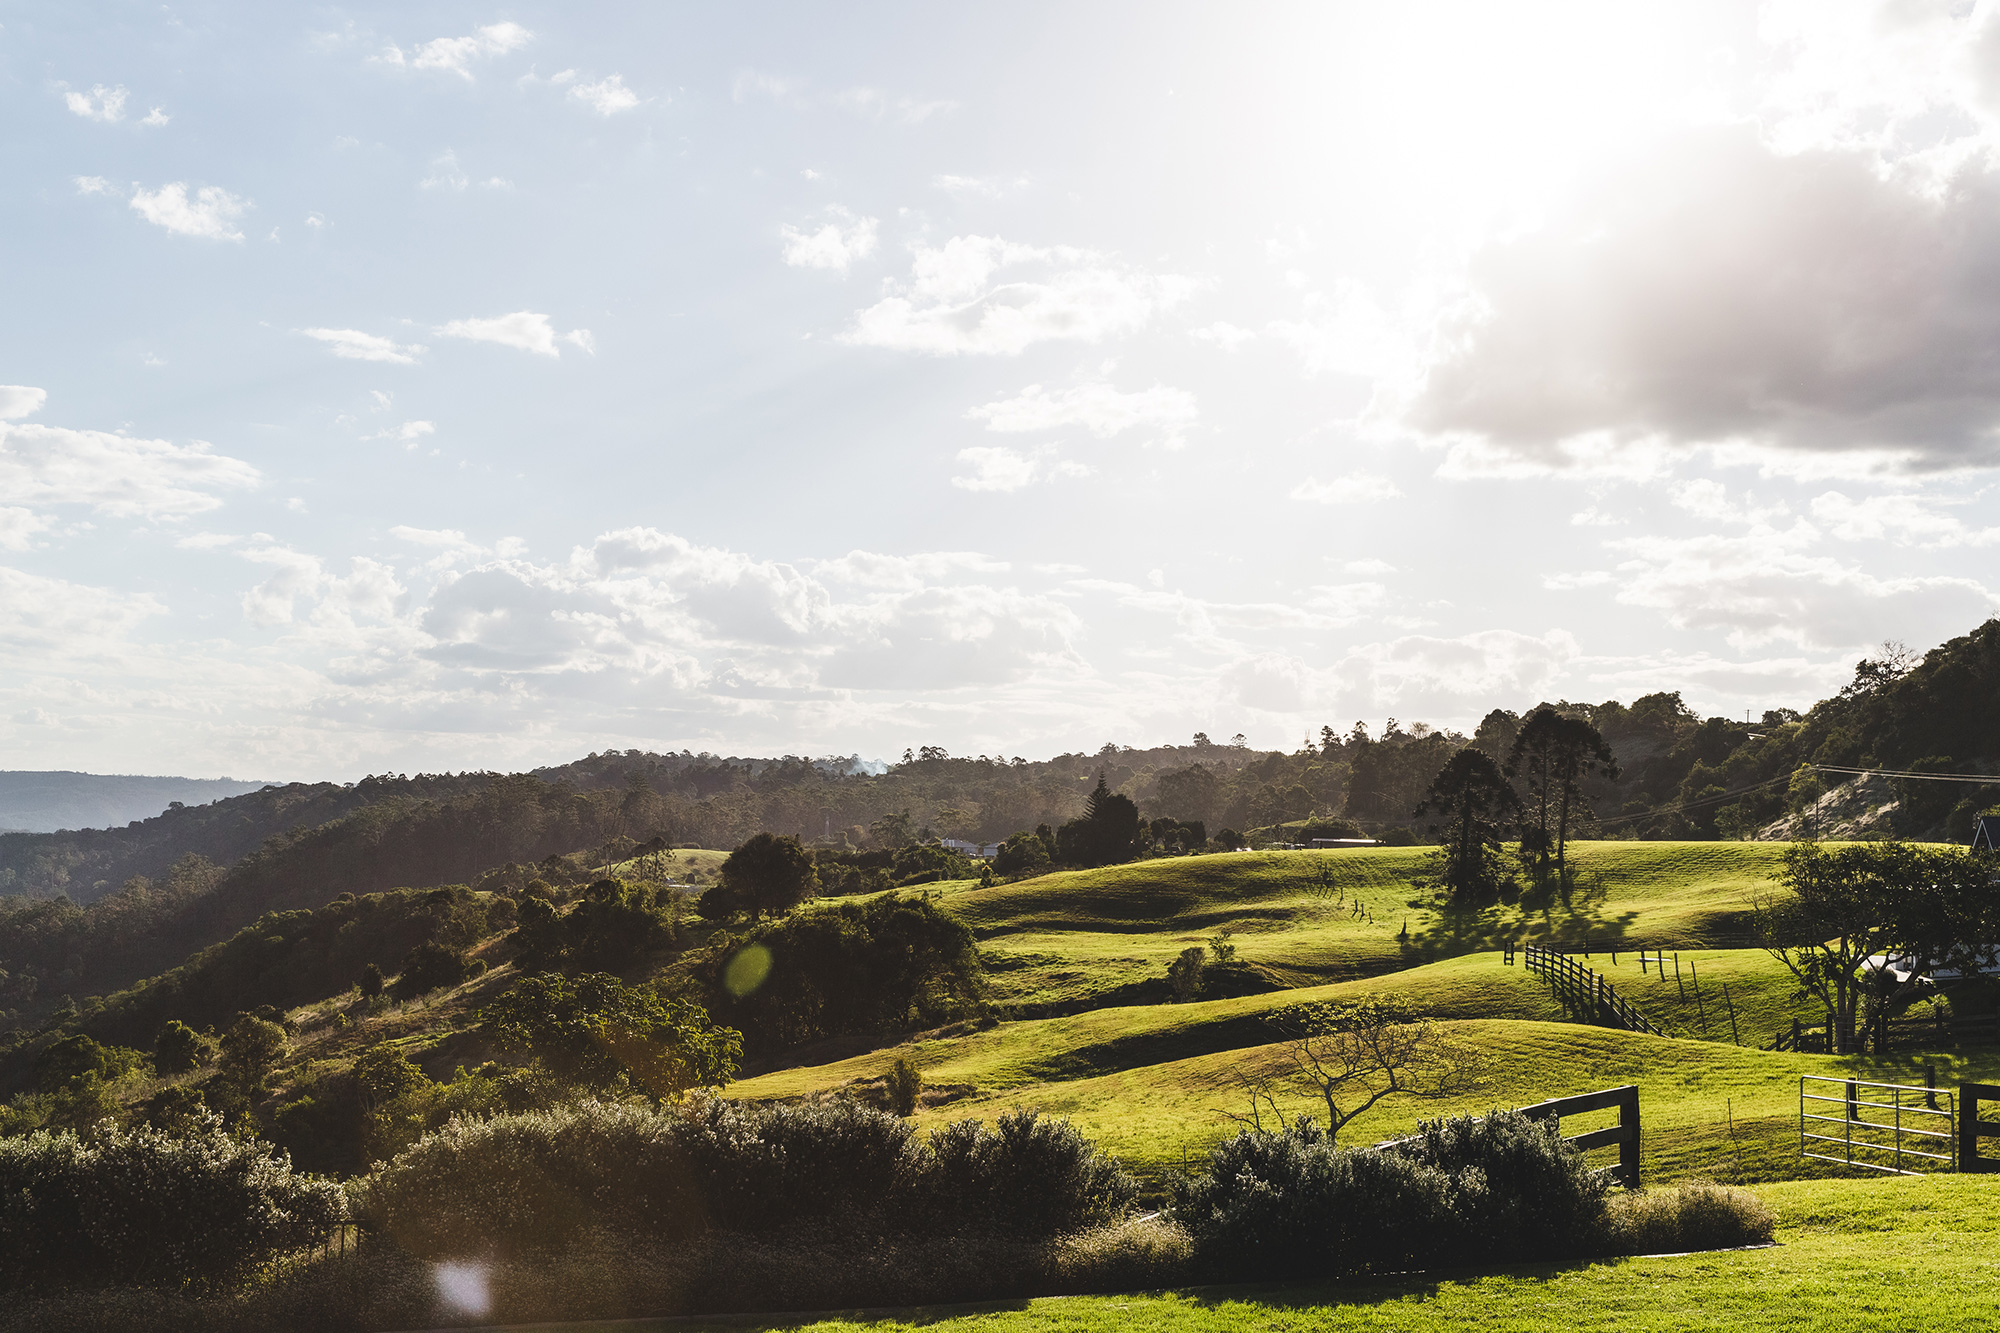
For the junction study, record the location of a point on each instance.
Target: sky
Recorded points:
(444, 386)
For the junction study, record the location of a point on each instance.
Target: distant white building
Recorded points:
(984, 851)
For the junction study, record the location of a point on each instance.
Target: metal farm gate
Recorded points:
(1899, 1129)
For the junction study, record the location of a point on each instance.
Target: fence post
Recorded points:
(1628, 1148)
(1734, 1035)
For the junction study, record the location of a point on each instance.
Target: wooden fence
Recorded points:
(1971, 1129)
(1903, 1034)
(1625, 1134)
(1585, 987)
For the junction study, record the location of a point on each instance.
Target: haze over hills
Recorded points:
(45, 802)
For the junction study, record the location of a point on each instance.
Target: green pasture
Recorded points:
(1157, 1085)
(1099, 1041)
(1077, 937)
(1869, 1256)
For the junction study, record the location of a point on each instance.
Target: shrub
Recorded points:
(1291, 1204)
(179, 1049)
(145, 1208)
(1515, 1188)
(1693, 1215)
(432, 966)
(1026, 1176)
(905, 1084)
(520, 1184)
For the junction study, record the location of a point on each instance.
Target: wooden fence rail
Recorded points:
(1625, 1134)
(1577, 984)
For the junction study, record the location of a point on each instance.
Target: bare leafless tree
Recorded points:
(1351, 1056)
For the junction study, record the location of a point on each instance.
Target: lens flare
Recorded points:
(747, 970)
(461, 1286)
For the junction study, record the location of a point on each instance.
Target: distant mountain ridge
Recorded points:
(46, 802)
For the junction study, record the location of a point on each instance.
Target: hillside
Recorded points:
(1077, 939)
(33, 802)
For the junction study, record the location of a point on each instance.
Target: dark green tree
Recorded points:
(1471, 808)
(371, 982)
(1020, 854)
(432, 966)
(1552, 755)
(179, 1049)
(1835, 909)
(1191, 793)
(889, 963)
(767, 876)
(1107, 834)
(594, 1030)
(251, 1049)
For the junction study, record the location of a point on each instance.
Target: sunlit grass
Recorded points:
(1077, 937)
(1863, 1255)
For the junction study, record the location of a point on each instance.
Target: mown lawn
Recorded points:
(1903, 1254)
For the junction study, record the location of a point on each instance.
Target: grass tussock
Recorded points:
(1692, 1215)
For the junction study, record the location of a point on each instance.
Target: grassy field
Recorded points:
(1306, 918)
(1158, 1083)
(1887, 1255)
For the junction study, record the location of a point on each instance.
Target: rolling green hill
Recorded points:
(1075, 939)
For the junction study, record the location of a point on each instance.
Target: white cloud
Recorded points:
(1354, 488)
(1225, 336)
(1765, 585)
(950, 306)
(783, 91)
(1707, 498)
(446, 174)
(354, 345)
(19, 527)
(1097, 407)
(115, 475)
(524, 330)
(210, 214)
(995, 468)
(607, 97)
(51, 618)
(877, 105)
(156, 117)
(832, 246)
(984, 187)
(409, 434)
(1714, 292)
(456, 54)
(1904, 519)
(1369, 566)
(315, 221)
(1594, 517)
(18, 400)
(1414, 676)
(94, 185)
(100, 103)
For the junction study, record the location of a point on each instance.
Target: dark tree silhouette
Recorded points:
(1107, 834)
(768, 875)
(1473, 807)
(1552, 755)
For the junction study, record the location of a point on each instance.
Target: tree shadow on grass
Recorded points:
(1568, 913)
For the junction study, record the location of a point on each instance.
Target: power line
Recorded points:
(1701, 801)
(1988, 779)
